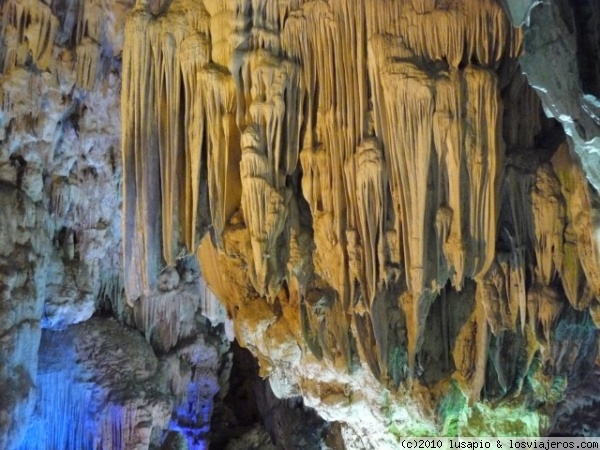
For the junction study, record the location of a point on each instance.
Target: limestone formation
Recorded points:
(23, 264)
(392, 204)
(373, 179)
(96, 390)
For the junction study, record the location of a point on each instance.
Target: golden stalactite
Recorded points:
(351, 160)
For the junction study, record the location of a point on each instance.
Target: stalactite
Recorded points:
(470, 351)
(111, 295)
(211, 308)
(522, 101)
(271, 90)
(29, 27)
(224, 151)
(167, 86)
(367, 346)
(310, 330)
(141, 161)
(195, 53)
(223, 21)
(416, 310)
(89, 21)
(65, 405)
(265, 212)
(548, 224)
(471, 30)
(88, 54)
(155, 79)
(504, 292)
(544, 306)
(517, 194)
(95, 390)
(336, 107)
(484, 156)
(580, 271)
(366, 176)
(409, 110)
(448, 138)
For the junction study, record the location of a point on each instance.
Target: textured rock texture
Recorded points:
(98, 384)
(376, 191)
(390, 219)
(98, 389)
(23, 263)
(251, 416)
(563, 38)
(60, 175)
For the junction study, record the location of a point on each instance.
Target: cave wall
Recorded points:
(372, 168)
(71, 377)
(375, 191)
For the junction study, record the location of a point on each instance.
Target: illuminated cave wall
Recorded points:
(380, 199)
(394, 225)
(327, 166)
(68, 381)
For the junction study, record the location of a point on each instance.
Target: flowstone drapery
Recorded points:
(363, 163)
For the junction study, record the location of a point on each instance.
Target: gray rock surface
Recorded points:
(560, 47)
(24, 246)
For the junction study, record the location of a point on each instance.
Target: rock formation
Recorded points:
(392, 204)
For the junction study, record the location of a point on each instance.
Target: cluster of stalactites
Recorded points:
(88, 36)
(30, 31)
(580, 266)
(549, 258)
(552, 214)
(28, 28)
(273, 113)
(238, 104)
(453, 32)
(443, 177)
(398, 137)
(161, 60)
(316, 35)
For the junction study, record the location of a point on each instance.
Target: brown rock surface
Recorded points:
(370, 188)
